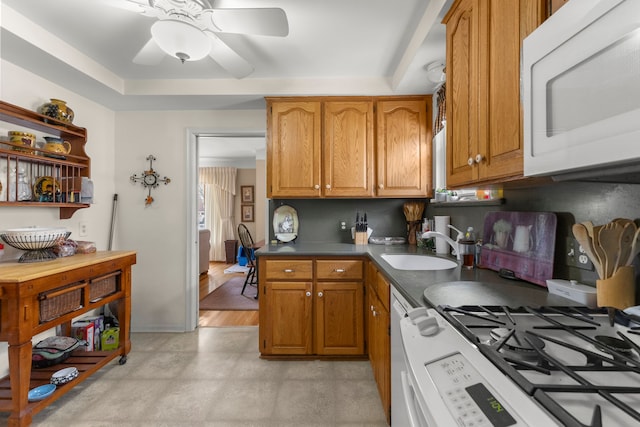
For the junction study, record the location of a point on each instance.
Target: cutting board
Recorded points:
(522, 243)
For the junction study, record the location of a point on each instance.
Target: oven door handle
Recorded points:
(409, 401)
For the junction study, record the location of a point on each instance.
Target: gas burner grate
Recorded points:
(553, 326)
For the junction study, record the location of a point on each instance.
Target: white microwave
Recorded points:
(581, 91)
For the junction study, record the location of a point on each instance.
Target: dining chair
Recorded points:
(247, 248)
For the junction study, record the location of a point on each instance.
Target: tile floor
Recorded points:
(214, 377)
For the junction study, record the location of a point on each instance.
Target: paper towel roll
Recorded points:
(441, 222)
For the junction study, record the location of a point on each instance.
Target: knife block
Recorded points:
(360, 238)
(618, 291)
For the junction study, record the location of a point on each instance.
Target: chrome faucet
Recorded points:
(449, 240)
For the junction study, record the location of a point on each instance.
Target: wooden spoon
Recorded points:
(609, 240)
(580, 232)
(635, 247)
(623, 221)
(626, 239)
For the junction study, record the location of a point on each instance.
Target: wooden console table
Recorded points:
(24, 288)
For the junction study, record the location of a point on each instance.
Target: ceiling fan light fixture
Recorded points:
(181, 40)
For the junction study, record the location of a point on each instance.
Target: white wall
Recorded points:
(159, 233)
(118, 143)
(28, 90)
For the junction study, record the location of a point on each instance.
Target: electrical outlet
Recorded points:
(343, 225)
(83, 229)
(576, 255)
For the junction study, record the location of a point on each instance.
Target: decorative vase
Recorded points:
(25, 139)
(57, 109)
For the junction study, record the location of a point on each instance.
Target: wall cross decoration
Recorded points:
(149, 179)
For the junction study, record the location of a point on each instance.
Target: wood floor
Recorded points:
(220, 318)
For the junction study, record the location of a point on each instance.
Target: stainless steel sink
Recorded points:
(418, 262)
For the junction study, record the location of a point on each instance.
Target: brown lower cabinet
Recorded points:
(378, 334)
(315, 307)
(311, 306)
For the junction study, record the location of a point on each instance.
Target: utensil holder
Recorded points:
(360, 238)
(412, 228)
(618, 291)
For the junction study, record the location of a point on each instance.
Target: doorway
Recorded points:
(207, 148)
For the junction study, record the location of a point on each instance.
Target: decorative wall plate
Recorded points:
(46, 186)
(285, 223)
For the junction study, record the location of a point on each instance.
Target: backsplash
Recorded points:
(319, 219)
(571, 202)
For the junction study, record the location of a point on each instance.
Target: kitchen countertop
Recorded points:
(455, 287)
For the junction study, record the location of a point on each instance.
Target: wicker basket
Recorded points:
(103, 286)
(60, 301)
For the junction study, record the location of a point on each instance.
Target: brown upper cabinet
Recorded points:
(403, 131)
(484, 112)
(326, 147)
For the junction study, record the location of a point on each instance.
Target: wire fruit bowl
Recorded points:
(36, 241)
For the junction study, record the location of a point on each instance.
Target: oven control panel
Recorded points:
(467, 394)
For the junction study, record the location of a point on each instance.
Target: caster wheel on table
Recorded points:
(123, 360)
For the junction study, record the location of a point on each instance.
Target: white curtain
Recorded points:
(219, 195)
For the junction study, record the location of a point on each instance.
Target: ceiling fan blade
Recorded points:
(265, 22)
(228, 58)
(139, 6)
(150, 54)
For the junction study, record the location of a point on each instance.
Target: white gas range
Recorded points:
(495, 366)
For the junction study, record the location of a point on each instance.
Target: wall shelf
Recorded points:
(67, 170)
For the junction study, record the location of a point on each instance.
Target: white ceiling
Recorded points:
(334, 47)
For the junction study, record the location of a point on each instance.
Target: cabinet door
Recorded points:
(383, 377)
(484, 114)
(288, 327)
(379, 347)
(502, 142)
(404, 148)
(462, 93)
(348, 149)
(339, 318)
(293, 148)
(372, 341)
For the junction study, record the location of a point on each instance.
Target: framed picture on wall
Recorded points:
(246, 193)
(247, 213)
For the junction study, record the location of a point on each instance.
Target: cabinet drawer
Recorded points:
(339, 269)
(103, 286)
(61, 301)
(289, 269)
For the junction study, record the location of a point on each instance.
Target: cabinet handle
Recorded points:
(62, 291)
(339, 270)
(316, 187)
(381, 186)
(470, 161)
(320, 294)
(479, 158)
(375, 313)
(288, 270)
(308, 293)
(371, 308)
(328, 186)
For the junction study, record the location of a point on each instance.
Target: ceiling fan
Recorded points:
(186, 30)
